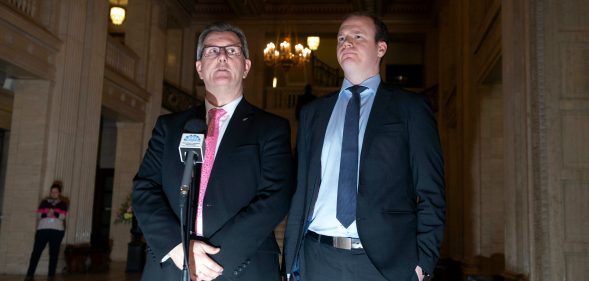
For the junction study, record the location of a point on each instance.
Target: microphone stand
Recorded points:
(184, 190)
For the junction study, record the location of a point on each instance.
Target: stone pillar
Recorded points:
(560, 130)
(491, 176)
(546, 66)
(188, 58)
(75, 112)
(146, 35)
(128, 157)
(254, 83)
(24, 186)
(173, 66)
(468, 104)
(137, 34)
(450, 121)
(516, 123)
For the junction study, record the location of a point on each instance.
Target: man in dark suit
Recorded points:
(369, 203)
(246, 179)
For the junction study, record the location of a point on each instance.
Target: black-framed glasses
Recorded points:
(214, 51)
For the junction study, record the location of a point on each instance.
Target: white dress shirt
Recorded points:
(224, 120)
(324, 219)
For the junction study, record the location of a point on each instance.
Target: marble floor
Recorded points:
(116, 273)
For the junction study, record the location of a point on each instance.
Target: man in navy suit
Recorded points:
(369, 203)
(246, 179)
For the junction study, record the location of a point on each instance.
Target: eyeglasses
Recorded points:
(215, 51)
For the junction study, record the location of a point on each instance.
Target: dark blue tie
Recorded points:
(348, 169)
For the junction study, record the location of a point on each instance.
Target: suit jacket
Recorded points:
(248, 194)
(400, 203)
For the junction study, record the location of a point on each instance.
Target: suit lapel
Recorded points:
(236, 128)
(319, 124)
(200, 112)
(380, 108)
(234, 134)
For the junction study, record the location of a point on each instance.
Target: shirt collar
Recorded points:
(370, 83)
(229, 108)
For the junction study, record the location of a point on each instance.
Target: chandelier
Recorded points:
(284, 55)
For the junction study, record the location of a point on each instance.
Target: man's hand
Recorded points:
(177, 256)
(419, 273)
(202, 267)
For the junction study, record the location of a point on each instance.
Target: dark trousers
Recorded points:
(42, 237)
(321, 262)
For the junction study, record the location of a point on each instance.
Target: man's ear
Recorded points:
(198, 66)
(381, 48)
(246, 69)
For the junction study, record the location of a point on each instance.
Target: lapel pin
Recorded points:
(245, 119)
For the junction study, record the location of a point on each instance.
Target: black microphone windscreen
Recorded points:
(197, 126)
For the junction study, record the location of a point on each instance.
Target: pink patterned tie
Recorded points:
(215, 115)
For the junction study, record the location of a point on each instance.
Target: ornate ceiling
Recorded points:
(414, 10)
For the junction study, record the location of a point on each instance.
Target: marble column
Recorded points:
(547, 117)
(516, 102)
(75, 111)
(24, 186)
(146, 35)
(127, 159)
(188, 57)
(254, 83)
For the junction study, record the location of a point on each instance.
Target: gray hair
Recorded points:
(221, 27)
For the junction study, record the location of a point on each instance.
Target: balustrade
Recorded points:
(325, 75)
(121, 59)
(281, 98)
(36, 11)
(176, 100)
(27, 7)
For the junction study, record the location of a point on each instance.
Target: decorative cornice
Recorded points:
(212, 9)
(318, 8)
(246, 8)
(409, 8)
(27, 46)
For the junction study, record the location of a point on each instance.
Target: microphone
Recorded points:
(192, 139)
(191, 150)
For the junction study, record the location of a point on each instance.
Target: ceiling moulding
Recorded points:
(209, 10)
(401, 10)
(409, 8)
(179, 11)
(306, 10)
(187, 5)
(246, 8)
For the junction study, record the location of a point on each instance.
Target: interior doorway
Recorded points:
(103, 192)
